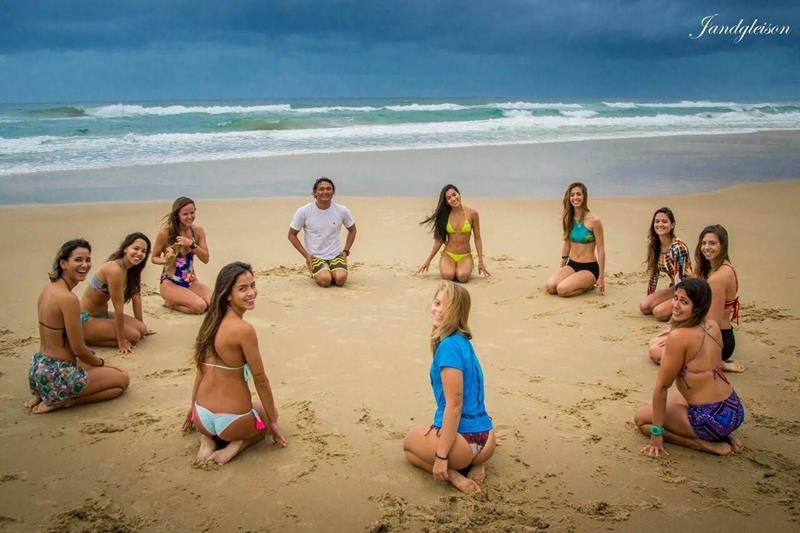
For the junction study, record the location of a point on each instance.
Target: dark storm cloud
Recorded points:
(622, 27)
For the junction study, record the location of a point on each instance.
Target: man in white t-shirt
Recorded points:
(321, 222)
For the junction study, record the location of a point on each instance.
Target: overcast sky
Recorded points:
(133, 50)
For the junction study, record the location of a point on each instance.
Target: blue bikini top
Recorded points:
(580, 233)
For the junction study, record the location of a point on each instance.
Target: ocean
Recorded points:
(47, 137)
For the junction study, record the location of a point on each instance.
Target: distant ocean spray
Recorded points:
(42, 137)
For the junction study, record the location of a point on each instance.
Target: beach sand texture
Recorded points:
(349, 370)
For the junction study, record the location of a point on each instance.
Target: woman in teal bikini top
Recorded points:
(456, 262)
(227, 357)
(583, 251)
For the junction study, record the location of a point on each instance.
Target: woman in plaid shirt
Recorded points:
(668, 254)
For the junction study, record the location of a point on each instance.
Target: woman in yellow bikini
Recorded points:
(452, 223)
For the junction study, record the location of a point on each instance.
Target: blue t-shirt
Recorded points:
(455, 351)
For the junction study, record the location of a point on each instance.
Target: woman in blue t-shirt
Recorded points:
(461, 439)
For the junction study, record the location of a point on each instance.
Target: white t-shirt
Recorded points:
(321, 228)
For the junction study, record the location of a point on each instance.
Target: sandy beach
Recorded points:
(349, 367)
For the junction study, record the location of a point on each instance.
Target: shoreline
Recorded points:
(618, 167)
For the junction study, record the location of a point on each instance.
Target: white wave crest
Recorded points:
(580, 113)
(128, 110)
(427, 107)
(534, 105)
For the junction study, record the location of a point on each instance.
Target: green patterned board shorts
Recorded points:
(56, 380)
(337, 263)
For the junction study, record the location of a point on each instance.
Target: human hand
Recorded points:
(277, 436)
(124, 346)
(423, 268)
(482, 270)
(188, 421)
(182, 240)
(308, 262)
(440, 470)
(655, 447)
(149, 332)
(600, 286)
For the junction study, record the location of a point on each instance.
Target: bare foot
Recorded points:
(207, 448)
(717, 448)
(464, 484)
(42, 408)
(735, 443)
(33, 402)
(477, 474)
(223, 455)
(733, 366)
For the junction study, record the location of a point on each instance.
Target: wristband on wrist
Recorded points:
(656, 431)
(440, 457)
(193, 245)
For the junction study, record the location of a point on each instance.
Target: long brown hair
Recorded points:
(456, 304)
(64, 253)
(703, 267)
(654, 241)
(133, 274)
(568, 211)
(171, 220)
(437, 222)
(217, 309)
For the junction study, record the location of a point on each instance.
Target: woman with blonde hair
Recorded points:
(461, 438)
(227, 356)
(583, 255)
(178, 242)
(452, 224)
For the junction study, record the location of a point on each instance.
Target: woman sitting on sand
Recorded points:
(668, 254)
(461, 438)
(452, 223)
(707, 411)
(583, 255)
(117, 280)
(56, 378)
(226, 353)
(178, 242)
(713, 264)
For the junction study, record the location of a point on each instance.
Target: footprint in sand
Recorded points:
(94, 514)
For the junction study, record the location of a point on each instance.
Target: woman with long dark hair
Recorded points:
(65, 372)
(178, 242)
(713, 264)
(461, 437)
(452, 224)
(227, 356)
(668, 254)
(707, 411)
(583, 255)
(118, 280)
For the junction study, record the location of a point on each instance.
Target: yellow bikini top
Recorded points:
(466, 228)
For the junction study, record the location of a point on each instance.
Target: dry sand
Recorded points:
(349, 369)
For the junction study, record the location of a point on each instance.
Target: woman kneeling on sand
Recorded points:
(178, 242)
(226, 353)
(461, 438)
(119, 281)
(452, 224)
(56, 378)
(583, 255)
(707, 411)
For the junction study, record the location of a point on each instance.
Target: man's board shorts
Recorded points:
(337, 263)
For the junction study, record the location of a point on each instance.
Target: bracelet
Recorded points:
(102, 362)
(564, 256)
(193, 245)
(656, 431)
(440, 457)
